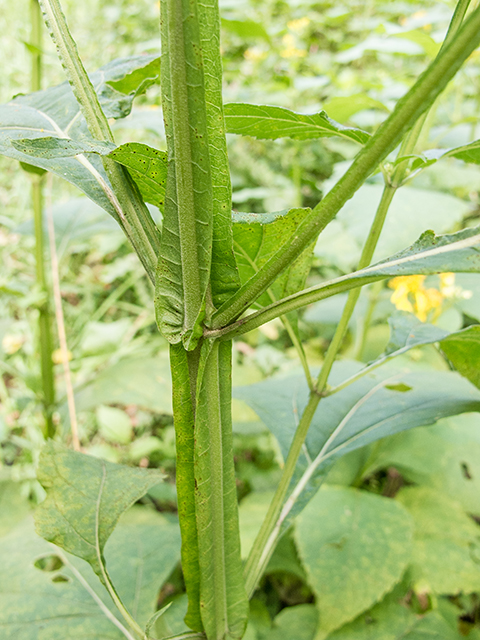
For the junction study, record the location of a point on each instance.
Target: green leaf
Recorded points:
(407, 332)
(342, 241)
(34, 604)
(223, 601)
(85, 498)
(114, 425)
(269, 123)
(14, 506)
(141, 553)
(361, 413)
(257, 236)
(294, 623)
(463, 350)
(446, 552)
(55, 112)
(431, 254)
(141, 381)
(246, 29)
(361, 541)
(342, 109)
(445, 457)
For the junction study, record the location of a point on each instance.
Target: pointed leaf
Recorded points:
(267, 122)
(85, 498)
(463, 350)
(55, 112)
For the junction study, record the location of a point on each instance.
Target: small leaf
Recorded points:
(361, 541)
(269, 123)
(85, 498)
(246, 29)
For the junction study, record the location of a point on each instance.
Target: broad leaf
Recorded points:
(294, 623)
(246, 29)
(141, 554)
(14, 506)
(446, 552)
(445, 457)
(373, 407)
(85, 498)
(267, 122)
(257, 236)
(55, 112)
(361, 541)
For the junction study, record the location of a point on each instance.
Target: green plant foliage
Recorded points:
(358, 530)
(294, 623)
(105, 492)
(13, 506)
(141, 553)
(257, 237)
(56, 112)
(263, 121)
(446, 551)
(463, 350)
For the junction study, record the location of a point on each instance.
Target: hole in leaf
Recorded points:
(49, 563)
(465, 471)
(60, 578)
(401, 387)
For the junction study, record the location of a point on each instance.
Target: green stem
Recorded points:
(406, 113)
(44, 312)
(133, 215)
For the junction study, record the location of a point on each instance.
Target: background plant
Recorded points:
(256, 451)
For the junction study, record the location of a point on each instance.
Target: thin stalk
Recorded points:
(62, 336)
(407, 111)
(134, 217)
(44, 314)
(270, 530)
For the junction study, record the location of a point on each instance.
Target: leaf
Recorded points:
(430, 254)
(446, 551)
(407, 332)
(85, 498)
(114, 425)
(14, 506)
(342, 241)
(223, 601)
(246, 29)
(360, 414)
(342, 109)
(445, 458)
(294, 623)
(141, 553)
(147, 166)
(361, 541)
(257, 236)
(141, 381)
(55, 112)
(463, 350)
(269, 123)
(34, 605)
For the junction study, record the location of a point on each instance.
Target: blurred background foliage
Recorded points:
(417, 494)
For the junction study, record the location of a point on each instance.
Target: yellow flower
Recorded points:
(298, 25)
(410, 294)
(11, 344)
